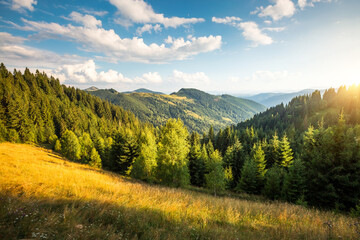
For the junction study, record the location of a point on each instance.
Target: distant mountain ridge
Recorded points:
(143, 90)
(273, 99)
(197, 109)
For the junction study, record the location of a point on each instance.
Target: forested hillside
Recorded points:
(198, 110)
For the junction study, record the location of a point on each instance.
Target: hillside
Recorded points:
(45, 196)
(143, 90)
(273, 99)
(197, 109)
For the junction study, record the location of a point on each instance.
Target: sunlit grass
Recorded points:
(45, 196)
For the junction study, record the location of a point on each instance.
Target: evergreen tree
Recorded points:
(145, 164)
(294, 181)
(234, 158)
(249, 178)
(173, 149)
(273, 180)
(196, 163)
(95, 160)
(70, 146)
(57, 146)
(258, 156)
(215, 179)
(286, 153)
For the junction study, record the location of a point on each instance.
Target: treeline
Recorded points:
(306, 152)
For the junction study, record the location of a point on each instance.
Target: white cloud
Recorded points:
(85, 72)
(253, 33)
(110, 44)
(275, 29)
(281, 8)
(148, 28)
(138, 11)
(268, 22)
(15, 53)
(226, 20)
(191, 78)
(86, 20)
(304, 3)
(21, 5)
(92, 12)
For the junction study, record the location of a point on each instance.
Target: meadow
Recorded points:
(44, 196)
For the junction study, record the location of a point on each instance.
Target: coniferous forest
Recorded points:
(305, 152)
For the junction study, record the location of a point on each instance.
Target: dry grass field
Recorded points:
(43, 196)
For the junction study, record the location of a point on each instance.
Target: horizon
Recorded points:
(244, 48)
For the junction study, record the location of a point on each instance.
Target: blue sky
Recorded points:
(217, 46)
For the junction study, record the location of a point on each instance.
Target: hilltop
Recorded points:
(44, 195)
(197, 109)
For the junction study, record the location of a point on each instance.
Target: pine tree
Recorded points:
(95, 160)
(215, 179)
(273, 180)
(286, 153)
(145, 164)
(196, 163)
(258, 156)
(57, 146)
(249, 178)
(70, 146)
(294, 181)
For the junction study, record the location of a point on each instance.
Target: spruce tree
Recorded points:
(215, 179)
(294, 181)
(273, 180)
(258, 156)
(70, 146)
(286, 158)
(249, 178)
(196, 163)
(95, 160)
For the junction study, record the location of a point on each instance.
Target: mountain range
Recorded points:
(197, 109)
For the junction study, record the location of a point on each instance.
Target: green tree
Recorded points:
(70, 146)
(196, 162)
(286, 153)
(145, 164)
(294, 181)
(215, 179)
(57, 146)
(249, 178)
(173, 149)
(273, 180)
(258, 156)
(95, 160)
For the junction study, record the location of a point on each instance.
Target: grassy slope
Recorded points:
(45, 196)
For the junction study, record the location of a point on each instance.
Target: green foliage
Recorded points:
(234, 158)
(259, 158)
(273, 183)
(286, 154)
(145, 164)
(215, 179)
(57, 145)
(249, 178)
(70, 146)
(95, 160)
(173, 149)
(13, 136)
(294, 181)
(124, 151)
(196, 161)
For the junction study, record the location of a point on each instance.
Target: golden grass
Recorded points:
(66, 200)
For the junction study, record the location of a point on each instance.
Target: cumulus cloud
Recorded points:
(252, 32)
(281, 8)
(226, 20)
(138, 11)
(275, 29)
(85, 72)
(96, 39)
(191, 78)
(148, 28)
(14, 52)
(21, 5)
(86, 20)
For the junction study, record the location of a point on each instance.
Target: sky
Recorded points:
(218, 46)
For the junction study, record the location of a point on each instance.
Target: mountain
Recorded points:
(273, 99)
(91, 89)
(197, 109)
(143, 90)
(45, 196)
